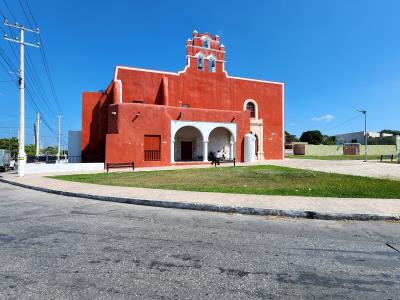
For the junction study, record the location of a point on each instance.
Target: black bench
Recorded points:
(387, 156)
(218, 161)
(120, 165)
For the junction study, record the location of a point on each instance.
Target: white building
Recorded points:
(358, 137)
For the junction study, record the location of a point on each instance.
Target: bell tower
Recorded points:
(205, 53)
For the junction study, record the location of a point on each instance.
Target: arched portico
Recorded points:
(221, 139)
(199, 133)
(188, 145)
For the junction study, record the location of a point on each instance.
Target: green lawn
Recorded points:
(262, 180)
(336, 157)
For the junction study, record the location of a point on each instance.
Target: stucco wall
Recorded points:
(133, 121)
(323, 150)
(379, 149)
(205, 90)
(95, 124)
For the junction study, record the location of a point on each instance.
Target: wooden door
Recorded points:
(152, 147)
(351, 149)
(186, 151)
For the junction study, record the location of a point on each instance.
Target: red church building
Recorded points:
(158, 118)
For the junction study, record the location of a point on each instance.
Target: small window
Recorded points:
(152, 147)
(251, 107)
(211, 64)
(185, 105)
(206, 43)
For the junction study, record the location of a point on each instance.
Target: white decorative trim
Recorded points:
(142, 70)
(211, 56)
(200, 53)
(250, 79)
(186, 67)
(222, 61)
(184, 70)
(205, 128)
(255, 106)
(208, 39)
(205, 48)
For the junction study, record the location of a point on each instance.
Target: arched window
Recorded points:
(252, 108)
(211, 64)
(200, 62)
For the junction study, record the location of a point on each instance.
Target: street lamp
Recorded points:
(365, 132)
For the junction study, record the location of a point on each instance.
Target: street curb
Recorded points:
(216, 208)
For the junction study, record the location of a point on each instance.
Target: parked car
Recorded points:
(5, 157)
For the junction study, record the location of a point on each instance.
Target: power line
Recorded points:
(344, 122)
(9, 10)
(36, 92)
(13, 49)
(44, 57)
(32, 74)
(26, 16)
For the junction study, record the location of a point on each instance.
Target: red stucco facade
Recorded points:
(141, 102)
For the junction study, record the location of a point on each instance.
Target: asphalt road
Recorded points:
(59, 247)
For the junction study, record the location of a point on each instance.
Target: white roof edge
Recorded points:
(177, 74)
(143, 70)
(256, 80)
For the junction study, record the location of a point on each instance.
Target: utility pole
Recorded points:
(22, 43)
(365, 132)
(37, 135)
(59, 139)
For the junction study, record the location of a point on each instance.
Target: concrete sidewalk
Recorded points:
(308, 207)
(372, 168)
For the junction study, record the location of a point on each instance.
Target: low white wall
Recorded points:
(59, 168)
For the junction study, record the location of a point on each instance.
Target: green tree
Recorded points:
(290, 138)
(394, 132)
(30, 150)
(10, 144)
(314, 137)
(329, 140)
(52, 150)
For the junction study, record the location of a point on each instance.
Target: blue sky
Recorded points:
(334, 56)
